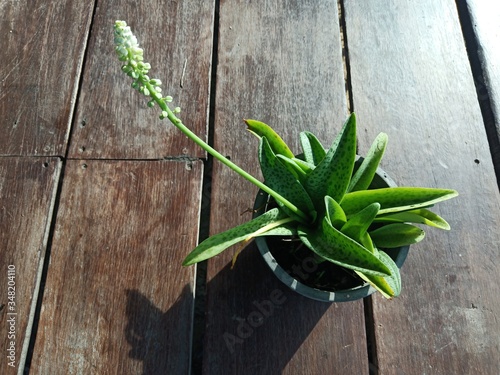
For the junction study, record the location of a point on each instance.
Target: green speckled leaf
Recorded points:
(364, 175)
(418, 216)
(388, 286)
(334, 213)
(305, 166)
(275, 141)
(357, 226)
(395, 235)
(331, 177)
(366, 241)
(292, 167)
(289, 229)
(314, 152)
(395, 199)
(337, 248)
(281, 180)
(218, 243)
(361, 221)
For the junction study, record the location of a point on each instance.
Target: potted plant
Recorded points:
(304, 272)
(339, 211)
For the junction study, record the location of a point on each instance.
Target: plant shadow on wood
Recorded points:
(161, 340)
(254, 325)
(257, 324)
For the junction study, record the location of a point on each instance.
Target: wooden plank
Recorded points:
(113, 120)
(41, 50)
(116, 298)
(256, 325)
(485, 19)
(279, 62)
(411, 79)
(27, 196)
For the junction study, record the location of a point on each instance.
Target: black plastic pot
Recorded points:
(362, 290)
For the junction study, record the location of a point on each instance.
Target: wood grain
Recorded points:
(485, 18)
(27, 196)
(42, 50)
(279, 62)
(116, 299)
(411, 79)
(113, 120)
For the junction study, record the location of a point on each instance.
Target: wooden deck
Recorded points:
(100, 201)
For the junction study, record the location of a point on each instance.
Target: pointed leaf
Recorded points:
(359, 223)
(334, 213)
(331, 177)
(314, 152)
(364, 175)
(305, 166)
(395, 199)
(388, 286)
(277, 144)
(218, 243)
(289, 229)
(292, 167)
(283, 227)
(418, 216)
(281, 180)
(395, 235)
(337, 248)
(367, 242)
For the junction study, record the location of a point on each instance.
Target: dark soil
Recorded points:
(305, 266)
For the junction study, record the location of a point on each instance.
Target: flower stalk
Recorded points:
(131, 54)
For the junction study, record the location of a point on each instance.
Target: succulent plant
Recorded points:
(321, 198)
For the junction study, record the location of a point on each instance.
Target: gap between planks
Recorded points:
(482, 90)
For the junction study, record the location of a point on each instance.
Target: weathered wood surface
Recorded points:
(485, 19)
(116, 300)
(279, 62)
(113, 121)
(42, 50)
(27, 196)
(411, 79)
